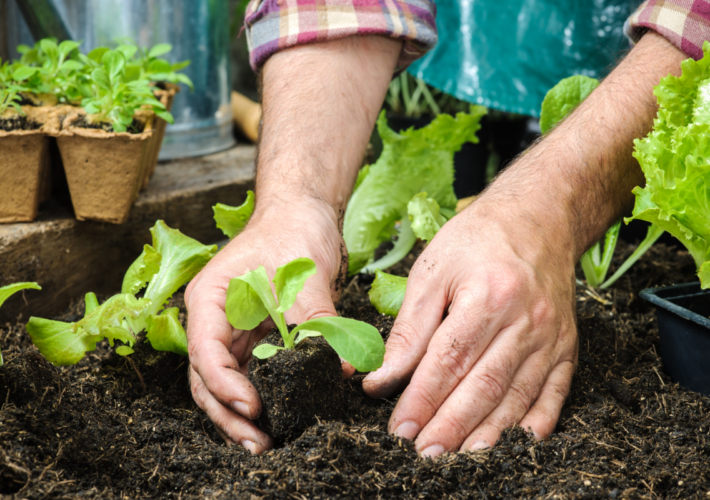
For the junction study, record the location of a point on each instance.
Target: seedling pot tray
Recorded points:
(24, 167)
(684, 331)
(105, 170)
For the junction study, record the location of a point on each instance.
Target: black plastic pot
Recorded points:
(684, 331)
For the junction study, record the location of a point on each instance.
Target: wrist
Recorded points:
(293, 207)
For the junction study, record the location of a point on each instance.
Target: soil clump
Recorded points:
(298, 387)
(135, 127)
(18, 123)
(626, 430)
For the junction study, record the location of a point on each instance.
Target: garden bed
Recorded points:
(95, 430)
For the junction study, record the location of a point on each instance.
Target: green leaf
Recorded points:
(165, 332)
(7, 291)
(289, 281)
(179, 66)
(100, 78)
(232, 220)
(97, 54)
(141, 271)
(265, 351)
(71, 65)
(49, 47)
(245, 310)
(66, 47)
(124, 350)
(563, 98)
(425, 217)
(90, 303)
(304, 334)
(182, 258)
(356, 342)
(114, 63)
(127, 50)
(412, 162)
(182, 78)
(23, 73)
(159, 66)
(159, 50)
(387, 293)
(165, 115)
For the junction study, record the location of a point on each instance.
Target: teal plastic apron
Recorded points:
(506, 54)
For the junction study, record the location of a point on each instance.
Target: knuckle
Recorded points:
(401, 337)
(453, 361)
(508, 284)
(544, 314)
(490, 385)
(523, 398)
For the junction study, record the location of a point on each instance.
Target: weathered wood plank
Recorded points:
(69, 258)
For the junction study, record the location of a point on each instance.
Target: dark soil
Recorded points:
(18, 123)
(626, 431)
(298, 387)
(136, 127)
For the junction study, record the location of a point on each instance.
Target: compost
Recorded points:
(113, 427)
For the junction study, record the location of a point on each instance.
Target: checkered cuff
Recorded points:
(274, 25)
(685, 23)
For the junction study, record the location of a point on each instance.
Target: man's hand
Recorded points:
(219, 353)
(487, 331)
(320, 103)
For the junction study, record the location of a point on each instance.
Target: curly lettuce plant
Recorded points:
(114, 100)
(412, 162)
(675, 159)
(7, 291)
(250, 300)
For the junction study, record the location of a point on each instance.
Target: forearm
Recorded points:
(320, 103)
(578, 180)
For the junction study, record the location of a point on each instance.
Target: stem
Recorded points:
(283, 329)
(595, 263)
(589, 269)
(402, 246)
(654, 232)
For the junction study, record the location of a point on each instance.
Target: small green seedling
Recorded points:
(232, 220)
(7, 291)
(250, 300)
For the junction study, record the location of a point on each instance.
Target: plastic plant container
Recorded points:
(684, 331)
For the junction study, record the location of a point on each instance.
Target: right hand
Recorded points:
(218, 353)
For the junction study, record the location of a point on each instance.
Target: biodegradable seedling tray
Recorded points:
(684, 331)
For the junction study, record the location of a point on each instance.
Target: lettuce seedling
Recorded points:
(232, 220)
(675, 159)
(559, 102)
(250, 300)
(412, 162)
(162, 268)
(425, 219)
(7, 291)
(114, 100)
(10, 98)
(47, 68)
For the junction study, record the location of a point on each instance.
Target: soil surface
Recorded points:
(136, 127)
(298, 387)
(93, 430)
(18, 123)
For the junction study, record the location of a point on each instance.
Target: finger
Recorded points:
(348, 369)
(209, 337)
(452, 353)
(421, 314)
(542, 417)
(521, 394)
(232, 426)
(314, 301)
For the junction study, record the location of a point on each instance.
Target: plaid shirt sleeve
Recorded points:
(685, 23)
(273, 25)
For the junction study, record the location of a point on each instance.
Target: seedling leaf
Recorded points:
(358, 343)
(563, 98)
(165, 332)
(141, 271)
(289, 281)
(124, 350)
(159, 50)
(265, 351)
(387, 293)
(304, 334)
(7, 291)
(424, 216)
(244, 306)
(232, 220)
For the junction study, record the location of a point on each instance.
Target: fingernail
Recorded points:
(242, 408)
(249, 445)
(407, 430)
(479, 445)
(432, 451)
(378, 375)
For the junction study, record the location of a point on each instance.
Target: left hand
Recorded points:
(486, 333)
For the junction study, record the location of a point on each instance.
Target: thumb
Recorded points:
(421, 314)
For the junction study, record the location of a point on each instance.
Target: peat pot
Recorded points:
(24, 165)
(105, 170)
(684, 331)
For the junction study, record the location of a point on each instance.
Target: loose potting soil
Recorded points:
(136, 126)
(18, 123)
(113, 427)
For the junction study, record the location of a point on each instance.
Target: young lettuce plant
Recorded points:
(162, 268)
(425, 219)
(232, 220)
(47, 68)
(559, 102)
(412, 162)
(675, 159)
(250, 300)
(7, 291)
(115, 101)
